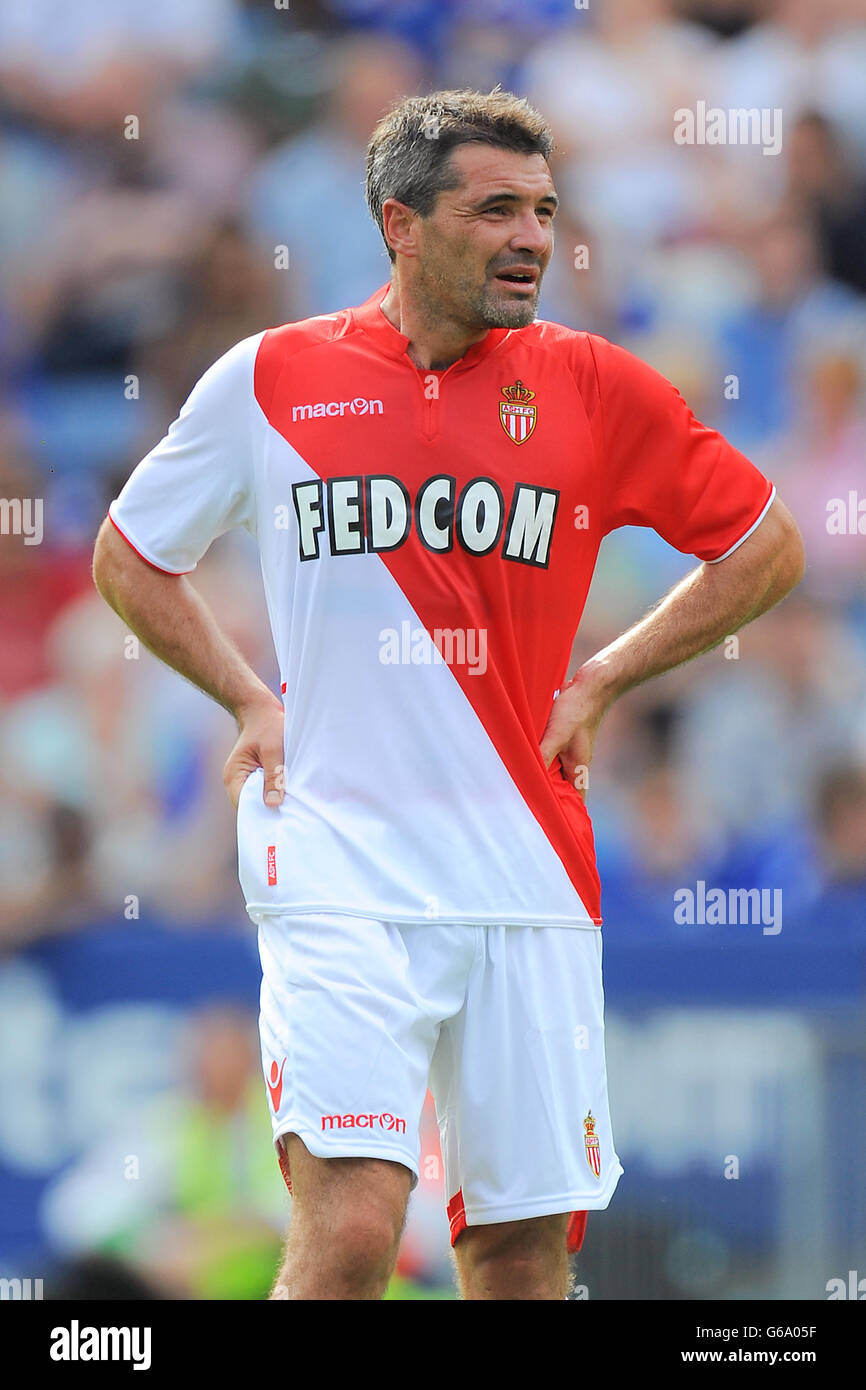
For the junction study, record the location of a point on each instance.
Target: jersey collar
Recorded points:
(390, 340)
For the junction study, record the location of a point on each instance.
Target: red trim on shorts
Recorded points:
(175, 573)
(283, 1160)
(576, 1231)
(456, 1214)
(456, 1211)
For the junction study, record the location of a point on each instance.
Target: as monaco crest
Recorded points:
(516, 415)
(593, 1148)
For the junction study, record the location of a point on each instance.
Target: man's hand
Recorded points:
(571, 729)
(698, 613)
(259, 744)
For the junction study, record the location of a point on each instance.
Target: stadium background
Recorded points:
(134, 1135)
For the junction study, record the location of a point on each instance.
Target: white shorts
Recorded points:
(503, 1023)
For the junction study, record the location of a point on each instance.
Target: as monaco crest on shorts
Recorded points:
(516, 415)
(593, 1148)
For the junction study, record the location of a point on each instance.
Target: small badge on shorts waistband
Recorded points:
(592, 1145)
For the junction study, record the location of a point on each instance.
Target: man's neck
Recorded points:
(433, 344)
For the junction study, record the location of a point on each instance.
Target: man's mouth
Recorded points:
(519, 277)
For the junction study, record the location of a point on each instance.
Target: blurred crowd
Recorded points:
(176, 177)
(157, 162)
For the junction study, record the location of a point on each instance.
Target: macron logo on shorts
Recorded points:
(275, 1083)
(384, 1121)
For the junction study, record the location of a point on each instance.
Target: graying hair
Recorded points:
(409, 154)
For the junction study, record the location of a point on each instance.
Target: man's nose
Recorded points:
(532, 236)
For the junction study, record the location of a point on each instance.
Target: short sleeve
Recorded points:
(197, 482)
(662, 468)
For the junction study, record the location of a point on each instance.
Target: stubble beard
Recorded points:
(495, 310)
(474, 307)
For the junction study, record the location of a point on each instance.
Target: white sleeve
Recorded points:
(197, 482)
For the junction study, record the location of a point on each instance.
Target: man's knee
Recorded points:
(351, 1209)
(363, 1240)
(529, 1244)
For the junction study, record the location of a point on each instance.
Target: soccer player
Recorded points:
(429, 477)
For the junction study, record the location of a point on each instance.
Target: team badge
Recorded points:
(593, 1148)
(516, 415)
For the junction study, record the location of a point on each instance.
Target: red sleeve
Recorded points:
(662, 468)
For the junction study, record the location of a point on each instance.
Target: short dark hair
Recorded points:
(409, 154)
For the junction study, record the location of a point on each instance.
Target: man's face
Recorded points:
(484, 248)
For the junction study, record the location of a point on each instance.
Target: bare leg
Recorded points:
(514, 1259)
(347, 1219)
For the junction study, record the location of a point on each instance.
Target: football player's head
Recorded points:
(460, 187)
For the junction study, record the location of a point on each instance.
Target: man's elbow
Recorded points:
(99, 563)
(791, 564)
(107, 563)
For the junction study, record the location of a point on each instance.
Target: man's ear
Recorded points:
(400, 226)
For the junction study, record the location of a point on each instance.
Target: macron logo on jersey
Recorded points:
(359, 406)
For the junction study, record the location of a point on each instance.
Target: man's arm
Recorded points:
(173, 621)
(708, 605)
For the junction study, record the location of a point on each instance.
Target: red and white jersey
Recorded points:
(427, 541)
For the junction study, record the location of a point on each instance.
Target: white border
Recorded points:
(141, 553)
(745, 534)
